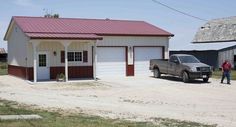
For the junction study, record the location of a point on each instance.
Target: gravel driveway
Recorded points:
(134, 98)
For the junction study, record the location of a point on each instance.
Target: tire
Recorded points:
(205, 79)
(156, 73)
(185, 77)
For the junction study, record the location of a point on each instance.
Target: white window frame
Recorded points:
(74, 56)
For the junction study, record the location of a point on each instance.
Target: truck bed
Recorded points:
(161, 63)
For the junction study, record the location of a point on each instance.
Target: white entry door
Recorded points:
(111, 62)
(43, 66)
(142, 56)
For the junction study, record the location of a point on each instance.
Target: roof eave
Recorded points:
(65, 38)
(217, 41)
(150, 35)
(8, 30)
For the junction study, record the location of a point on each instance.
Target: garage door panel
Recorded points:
(142, 58)
(116, 68)
(111, 61)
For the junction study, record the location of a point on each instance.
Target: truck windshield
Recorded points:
(188, 59)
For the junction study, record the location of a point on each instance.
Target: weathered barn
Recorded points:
(213, 54)
(217, 30)
(219, 35)
(228, 53)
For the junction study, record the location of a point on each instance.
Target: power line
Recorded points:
(181, 12)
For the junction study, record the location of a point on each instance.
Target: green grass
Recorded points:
(3, 68)
(54, 119)
(218, 73)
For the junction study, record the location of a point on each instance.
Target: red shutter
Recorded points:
(62, 56)
(85, 56)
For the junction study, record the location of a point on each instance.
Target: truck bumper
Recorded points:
(198, 75)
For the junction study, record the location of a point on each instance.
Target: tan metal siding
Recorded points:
(17, 47)
(129, 41)
(135, 41)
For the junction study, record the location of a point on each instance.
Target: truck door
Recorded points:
(173, 63)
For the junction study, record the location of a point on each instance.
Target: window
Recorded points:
(42, 60)
(173, 59)
(78, 56)
(188, 59)
(71, 56)
(74, 56)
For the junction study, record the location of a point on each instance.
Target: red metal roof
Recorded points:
(63, 36)
(81, 28)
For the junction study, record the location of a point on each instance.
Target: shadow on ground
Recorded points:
(177, 79)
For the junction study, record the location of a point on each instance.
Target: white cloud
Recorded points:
(25, 3)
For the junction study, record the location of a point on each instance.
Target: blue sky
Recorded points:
(183, 27)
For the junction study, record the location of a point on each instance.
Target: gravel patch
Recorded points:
(132, 98)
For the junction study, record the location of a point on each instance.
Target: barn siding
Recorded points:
(208, 57)
(226, 55)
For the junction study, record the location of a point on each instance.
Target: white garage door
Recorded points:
(142, 56)
(111, 61)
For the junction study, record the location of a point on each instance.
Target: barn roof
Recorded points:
(217, 30)
(207, 46)
(40, 27)
(2, 51)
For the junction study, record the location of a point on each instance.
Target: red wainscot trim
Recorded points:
(54, 71)
(80, 72)
(73, 71)
(129, 68)
(21, 72)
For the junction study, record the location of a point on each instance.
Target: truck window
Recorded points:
(173, 59)
(188, 59)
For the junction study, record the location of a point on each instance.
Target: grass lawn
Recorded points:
(218, 74)
(54, 119)
(3, 68)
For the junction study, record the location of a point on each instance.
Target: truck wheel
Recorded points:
(205, 79)
(156, 73)
(185, 77)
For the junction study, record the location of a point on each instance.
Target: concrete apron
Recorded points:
(19, 117)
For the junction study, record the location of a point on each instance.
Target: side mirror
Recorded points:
(176, 61)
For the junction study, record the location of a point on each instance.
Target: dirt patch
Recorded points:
(72, 86)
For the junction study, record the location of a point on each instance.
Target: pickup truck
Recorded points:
(185, 66)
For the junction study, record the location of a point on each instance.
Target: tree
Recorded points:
(51, 15)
